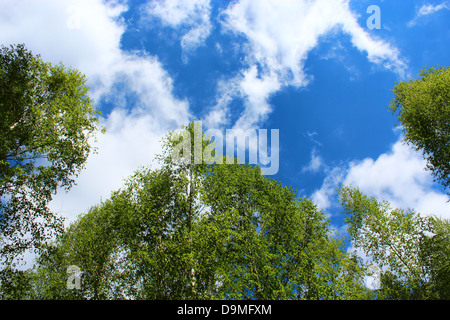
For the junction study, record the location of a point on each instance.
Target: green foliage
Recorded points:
(199, 231)
(412, 264)
(435, 255)
(15, 284)
(88, 243)
(209, 231)
(423, 109)
(46, 124)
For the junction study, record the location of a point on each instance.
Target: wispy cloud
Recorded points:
(193, 15)
(428, 9)
(315, 164)
(279, 36)
(325, 196)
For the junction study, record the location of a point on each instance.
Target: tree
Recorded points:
(435, 253)
(88, 244)
(412, 264)
(423, 109)
(46, 125)
(201, 231)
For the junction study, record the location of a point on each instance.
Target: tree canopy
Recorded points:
(199, 231)
(205, 231)
(423, 110)
(46, 125)
(410, 252)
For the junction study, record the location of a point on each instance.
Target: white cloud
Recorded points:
(428, 9)
(86, 35)
(226, 91)
(89, 45)
(256, 89)
(324, 196)
(280, 35)
(397, 176)
(181, 14)
(315, 164)
(131, 142)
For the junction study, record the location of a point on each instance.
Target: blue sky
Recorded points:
(312, 69)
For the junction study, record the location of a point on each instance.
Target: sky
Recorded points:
(320, 72)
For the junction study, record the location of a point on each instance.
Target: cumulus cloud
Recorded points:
(86, 35)
(397, 176)
(280, 35)
(130, 142)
